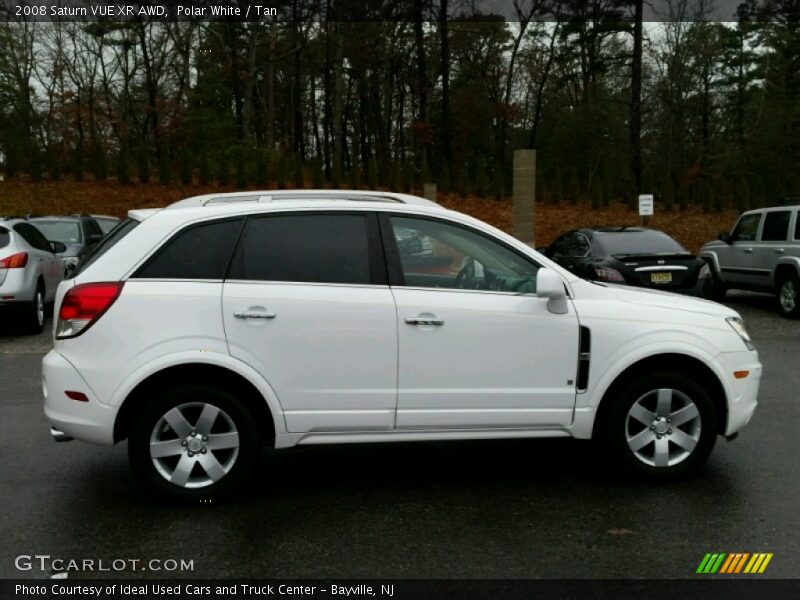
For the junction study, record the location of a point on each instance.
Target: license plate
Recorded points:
(661, 278)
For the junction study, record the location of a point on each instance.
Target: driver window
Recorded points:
(746, 228)
(434, 254)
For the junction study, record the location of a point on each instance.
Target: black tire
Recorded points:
(618, 426)
(193, 398)
(717, 290)
(33, 312)
(788, 290)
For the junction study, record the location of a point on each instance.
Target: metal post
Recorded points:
(429, 191)
(524, 195)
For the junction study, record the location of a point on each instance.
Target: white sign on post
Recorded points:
(646, 205)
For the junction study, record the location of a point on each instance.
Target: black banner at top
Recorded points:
(390, 10)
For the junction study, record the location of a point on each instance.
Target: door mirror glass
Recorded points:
(94, 238)
(550, 286)
(58, 247)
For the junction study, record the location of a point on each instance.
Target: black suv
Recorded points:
(79, 233)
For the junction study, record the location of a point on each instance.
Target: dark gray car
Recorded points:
(79, 233)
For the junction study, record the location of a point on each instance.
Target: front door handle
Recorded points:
(748, 250)
(778, 250)
(252, 314)
(425, 321)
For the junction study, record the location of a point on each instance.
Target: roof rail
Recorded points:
(283, 195)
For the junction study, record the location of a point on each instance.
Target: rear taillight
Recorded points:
(609, 274)
(15, 261)
(83, 305)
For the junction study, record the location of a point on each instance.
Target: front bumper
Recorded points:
(742, 393)
(88, 421)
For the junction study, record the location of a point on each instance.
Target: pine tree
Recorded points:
(123, 170)
(479, 184)
(317, 176)
(573, 186)
(281, 171)
(668, 194)
(223, 170)
(99, 167)
(205, 169)
(742, 195)
(298, 176)
(262, 169)
(53, 164)
(443, 184)
(143, 166)
(77, 165)
(372, 173)
(239, 166)
(35, 165)
(164, 170)
(185, 166)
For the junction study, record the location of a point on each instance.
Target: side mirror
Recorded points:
(550, 286)
(58, 247)
(726, 237)
(94, 238)
(542, 250)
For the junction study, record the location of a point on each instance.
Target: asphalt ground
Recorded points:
(499, 509)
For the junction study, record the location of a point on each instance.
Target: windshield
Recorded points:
(115, 235)
(638, 242)
(67, 232)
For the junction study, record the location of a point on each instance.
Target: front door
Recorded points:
(306, 304)
(737, 259)
(478, 348)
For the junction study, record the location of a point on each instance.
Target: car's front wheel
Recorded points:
(789, 296)
(33, 321)
(661, 425)
(193, 442)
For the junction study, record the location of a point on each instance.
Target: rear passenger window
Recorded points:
(797, 226)
(199, 252)
(776, 226)
(304, 248)
(33, 236)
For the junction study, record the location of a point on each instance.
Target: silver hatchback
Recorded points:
(30, 271)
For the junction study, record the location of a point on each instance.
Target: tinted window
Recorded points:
(776, 226)
(92, 228)
(116, 234)
(438, 255)
(67, 232)
(574, 245)
(747, 228)
(107, 225)
(797, 226)
(638, 242)
(33, 236)
(197, 252)
(5, 237)
(304, 248)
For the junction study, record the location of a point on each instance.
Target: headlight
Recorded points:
(705, 272)
(738, 326)
(71, 261)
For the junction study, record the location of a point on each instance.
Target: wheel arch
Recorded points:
(786, 264)
(202, 373)
(682, 363)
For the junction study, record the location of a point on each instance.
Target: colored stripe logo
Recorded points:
(734, 562)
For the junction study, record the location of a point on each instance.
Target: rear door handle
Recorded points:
(778, 250)
(425, 321)
(748, 250)
(252, 314)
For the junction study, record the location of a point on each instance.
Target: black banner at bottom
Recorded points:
(402, 589)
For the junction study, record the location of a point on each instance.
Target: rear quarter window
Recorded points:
(5, 237)
(197, 252)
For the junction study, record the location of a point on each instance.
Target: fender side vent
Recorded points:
(584, 358)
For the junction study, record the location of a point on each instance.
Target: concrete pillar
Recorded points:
(524, 195)
(429, 191)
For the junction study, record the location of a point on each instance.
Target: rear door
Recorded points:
(50, 265)
(306, 304)
(771, 243)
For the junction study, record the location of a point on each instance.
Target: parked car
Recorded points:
(30, 271)
(106, 222)
(79, 233)
(205, 330)
(761, 253)
(633, 256)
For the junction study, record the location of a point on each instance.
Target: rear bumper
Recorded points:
(88, 421)
(17, 286)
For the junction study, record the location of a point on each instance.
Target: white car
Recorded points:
(222, 323)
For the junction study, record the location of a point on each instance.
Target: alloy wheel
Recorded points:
(194, 445)
(663, 427)
(788, 296)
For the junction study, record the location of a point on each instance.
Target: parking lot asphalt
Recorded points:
(538, 508)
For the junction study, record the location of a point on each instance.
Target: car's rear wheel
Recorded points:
(789, 295)
(193, 442)
(661, 425)
(717, 290)
(33, 318)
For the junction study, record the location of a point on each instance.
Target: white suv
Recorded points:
(205, 330)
